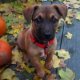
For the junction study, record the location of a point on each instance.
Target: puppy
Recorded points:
(39, 40)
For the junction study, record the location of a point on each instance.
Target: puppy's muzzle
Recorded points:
(47, 35)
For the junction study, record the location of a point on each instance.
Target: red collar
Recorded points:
(39, 44)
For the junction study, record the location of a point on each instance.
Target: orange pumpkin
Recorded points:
(2, 26)
(5, 53)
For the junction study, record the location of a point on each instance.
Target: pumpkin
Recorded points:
(5, 53)
(2, 26)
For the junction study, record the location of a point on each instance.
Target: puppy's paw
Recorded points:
(49, 65)
(41, 73)
(51, 77)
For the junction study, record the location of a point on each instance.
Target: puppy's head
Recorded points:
(45, 20)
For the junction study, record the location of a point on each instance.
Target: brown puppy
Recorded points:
(39, 40)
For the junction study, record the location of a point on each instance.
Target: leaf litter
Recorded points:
(15, 23)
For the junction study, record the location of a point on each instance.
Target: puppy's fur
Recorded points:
(44, 19)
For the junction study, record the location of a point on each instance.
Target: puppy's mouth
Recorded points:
(44, 38)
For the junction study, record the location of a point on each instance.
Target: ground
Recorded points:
(67, 36)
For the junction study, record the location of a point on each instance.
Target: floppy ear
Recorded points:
(28, 12)
(61, 9)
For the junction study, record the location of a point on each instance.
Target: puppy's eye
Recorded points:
(38, 19)
(53, 19)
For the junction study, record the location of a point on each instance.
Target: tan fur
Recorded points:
(33, 52)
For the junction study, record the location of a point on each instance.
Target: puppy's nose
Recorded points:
(47, 35)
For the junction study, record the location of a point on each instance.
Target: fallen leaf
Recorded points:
(16, 29)
(70, 13)
(78, 15)
(15, 78)
(63, 54)
(56, 61)
(68, 35)
(60, 24)
(21, 17)
(4, 38)
(16, 57)
(76, 6)
(68, 20)
(46, 70)
(36, 78)
(51, 77)
(8, 74)
(27, 68)
(67, 74)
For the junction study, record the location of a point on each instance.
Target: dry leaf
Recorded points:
(78, 16)
(16, 29)
(36, 78)
(27, 68)
(76, 6)
(68, 20)
(8, 74)
(4, 38)
(68, 35)
(63, 54)
(15, 78)
(46, 70)
(56, 61)
(70, 13)
(17, 57)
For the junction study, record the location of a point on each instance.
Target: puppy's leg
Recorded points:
(25, 57)
(51, 77)
(50, 55)
(36, 63)
(48, 63)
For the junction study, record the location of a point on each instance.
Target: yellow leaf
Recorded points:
(78, 16)
(68, 35)
(18, 26)
(2, 69)
(26, 67)
(15, 78)
(8, 74)
(68, 20)
(36, 78)
(70, 13)
(16, 29)
(76, 6)
(20, 17)
(17, 57)
(4, 38)
(63, 54)
(46, 70)
(56, 61)
(42, 62)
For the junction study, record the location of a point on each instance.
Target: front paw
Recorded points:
(41, 73)
(49, 65)
(51, 77)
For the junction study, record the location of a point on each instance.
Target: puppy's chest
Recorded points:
(42, 52)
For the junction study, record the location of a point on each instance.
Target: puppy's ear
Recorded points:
(61, 9)
(28, 12)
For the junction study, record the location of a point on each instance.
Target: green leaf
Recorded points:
(67, 74)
